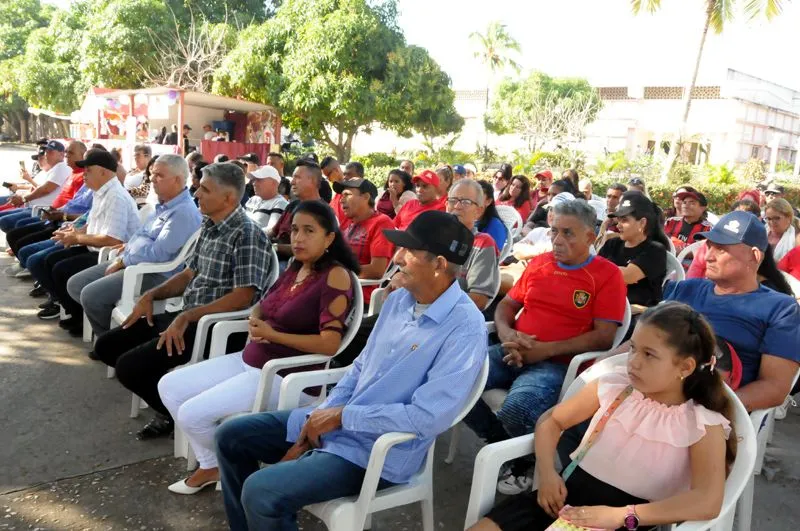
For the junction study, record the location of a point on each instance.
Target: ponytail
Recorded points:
(690, 334)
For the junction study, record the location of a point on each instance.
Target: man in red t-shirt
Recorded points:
(363, 228)
(571, 302)
(690, 221)
(427, 186)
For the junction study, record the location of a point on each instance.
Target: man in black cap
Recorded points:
(112, 220)
(363, 228)
(414, 376)
(777, 191)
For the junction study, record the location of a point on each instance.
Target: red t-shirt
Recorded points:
(70, 187)
(790, 263)
(682, 232)
(560, 303)
(336, 205)
(414, 208)
(368, 241)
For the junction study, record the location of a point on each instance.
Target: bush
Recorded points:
(377, 175)
(377, 159)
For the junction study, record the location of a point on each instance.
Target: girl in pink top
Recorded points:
(660, 455)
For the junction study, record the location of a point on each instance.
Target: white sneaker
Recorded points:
(513, 485)
(23, 273)
(780, 411)
(12, 271)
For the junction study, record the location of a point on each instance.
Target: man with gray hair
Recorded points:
(571, 302)
(158, 240)
(227, 272)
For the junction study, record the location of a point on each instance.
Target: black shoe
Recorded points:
(53, 311)
(46, 303)
(93, 356)
(159, 426)
(37, 291)
(72, 323)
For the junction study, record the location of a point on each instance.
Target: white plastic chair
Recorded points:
(354, 512)
(492, 457)
(793, 283)
(494, 398)
(219, 341)
(674, 269)
(204, 325)
(671, 249)
(763, 423)
(509, 244)
(510, 218)
(689, 249)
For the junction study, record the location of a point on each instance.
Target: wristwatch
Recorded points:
(631, 519)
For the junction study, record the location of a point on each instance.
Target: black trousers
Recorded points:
(61, 266)
(15, 235)
(140, 365)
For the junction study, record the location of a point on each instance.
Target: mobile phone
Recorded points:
(7, 185)
(22, 164)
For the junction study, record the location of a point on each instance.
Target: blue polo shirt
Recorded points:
(760, 322)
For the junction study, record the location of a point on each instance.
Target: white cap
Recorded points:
(563, 197)
(470, 167)
(266, 172)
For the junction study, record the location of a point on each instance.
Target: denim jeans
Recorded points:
(532, 390)
(29, 220)
(269, 499)
(33, 250)
(9, 218)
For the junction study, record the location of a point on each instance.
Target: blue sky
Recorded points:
(602, 41)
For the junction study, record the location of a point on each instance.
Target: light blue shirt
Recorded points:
(81, 202)
(162, 236)
(413, 376)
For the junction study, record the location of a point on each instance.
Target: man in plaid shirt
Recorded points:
(227, 272)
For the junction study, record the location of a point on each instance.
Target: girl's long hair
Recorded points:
(524, 195)
(490, 211)
(690, 334)
(339, 251)
(771, 275)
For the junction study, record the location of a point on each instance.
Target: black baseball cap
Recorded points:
(693, 194)
(38, 154)
(437, 232)
(362, 185)
(97, 157)
(633, 202)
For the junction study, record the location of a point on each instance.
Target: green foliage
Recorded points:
(495, 47)
(529, 163)
(238, 12)
(680, 173)
(784, 166)
(18, 18)
(377, 159)
(720, 174)
(117, 47)
(615, 162)
(335, 68)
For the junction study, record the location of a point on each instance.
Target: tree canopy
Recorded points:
(335, 68)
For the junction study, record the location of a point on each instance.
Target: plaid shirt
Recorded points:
(229, 254)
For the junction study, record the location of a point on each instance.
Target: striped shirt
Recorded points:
(113, 213)
(266, 212)
(229, 254)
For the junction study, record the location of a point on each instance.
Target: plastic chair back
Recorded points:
(689, 249)
(674, 269)
(510, 218)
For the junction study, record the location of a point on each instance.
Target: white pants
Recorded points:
(200, 396)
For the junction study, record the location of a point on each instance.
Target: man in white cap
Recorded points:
(267, 205)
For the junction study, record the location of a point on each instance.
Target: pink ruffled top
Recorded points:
(644, 447)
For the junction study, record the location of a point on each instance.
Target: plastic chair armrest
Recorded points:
(220, 334)
(270, 370)
(575, 364)
(293, 385)
(377, 458)
(204, 326)
(484, 477)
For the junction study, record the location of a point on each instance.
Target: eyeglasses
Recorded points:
(636, 181)
(772, 193)
(464, 202)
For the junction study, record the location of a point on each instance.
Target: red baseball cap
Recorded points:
(546, 174)
(428, 177)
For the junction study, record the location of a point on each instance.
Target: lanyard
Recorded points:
(597, 429)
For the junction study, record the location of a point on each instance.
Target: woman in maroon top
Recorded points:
(305, 311)
(397, 191)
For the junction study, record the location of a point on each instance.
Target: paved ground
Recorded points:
(69, 461)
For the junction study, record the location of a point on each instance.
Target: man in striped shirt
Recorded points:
(267, 205)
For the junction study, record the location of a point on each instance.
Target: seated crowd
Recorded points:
(584, 275)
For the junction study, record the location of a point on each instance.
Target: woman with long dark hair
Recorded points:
(641, 249)
(397, 190)
(303, 312)
(518, 195)
(501, 178)
(490, 222)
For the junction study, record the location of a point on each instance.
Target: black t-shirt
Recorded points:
(650, 257)
(325, 191)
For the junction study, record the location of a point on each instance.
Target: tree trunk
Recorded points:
(677, 142)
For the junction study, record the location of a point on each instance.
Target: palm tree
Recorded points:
(718, 12)
(494, 49)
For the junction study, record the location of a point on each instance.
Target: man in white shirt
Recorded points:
(141, 157)
(48, 183)
(267, 205)
(599, 206)
(112, 220)
(208, 132)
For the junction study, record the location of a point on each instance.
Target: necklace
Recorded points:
(299, 281)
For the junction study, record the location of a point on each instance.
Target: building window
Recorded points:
(754, 152)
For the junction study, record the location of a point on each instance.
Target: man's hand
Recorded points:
(322, 421)
(523, 349)
(66, 238)
(14, 188)
(115, 266)
(16, 200)
(52, 215)
(172, 337)
(142, 308)
(300, 446)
